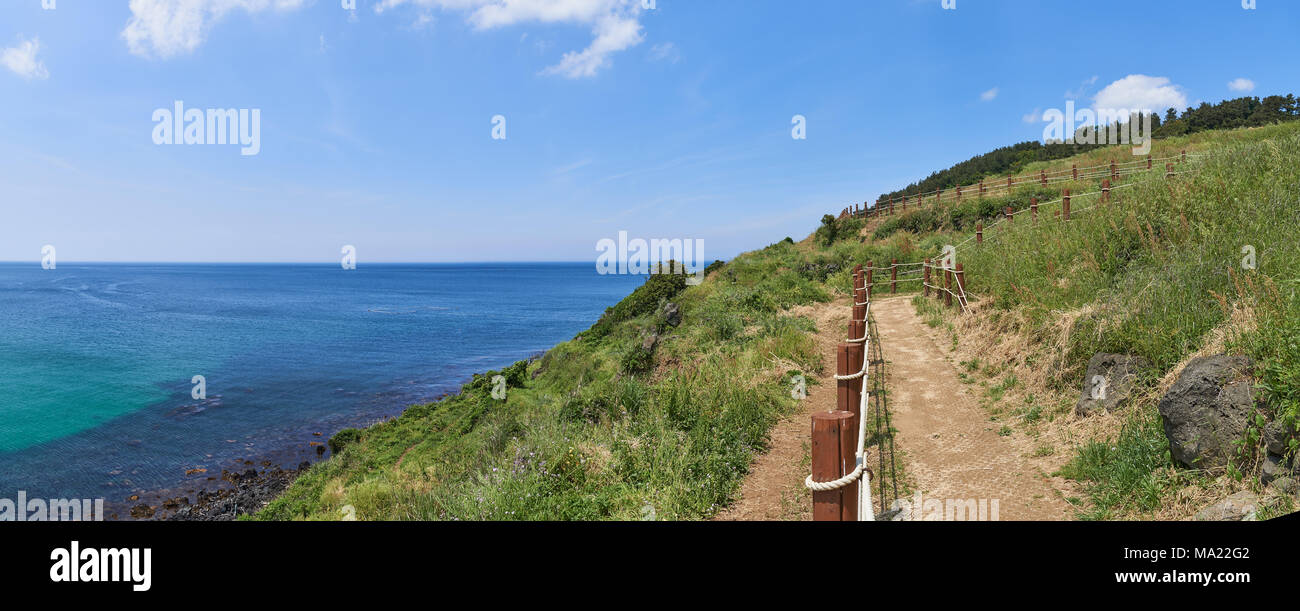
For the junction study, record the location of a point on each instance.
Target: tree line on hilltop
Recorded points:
(1228, 114)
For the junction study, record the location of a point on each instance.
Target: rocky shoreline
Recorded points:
(250, 491)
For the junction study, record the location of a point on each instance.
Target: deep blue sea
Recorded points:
(96, 360)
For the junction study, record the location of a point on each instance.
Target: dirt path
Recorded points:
(952, 449)
(774, 489)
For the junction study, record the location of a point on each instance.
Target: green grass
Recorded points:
(601, 428)
(1150, 274)
(597, 428)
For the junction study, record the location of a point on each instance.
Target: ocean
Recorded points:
(98, 361)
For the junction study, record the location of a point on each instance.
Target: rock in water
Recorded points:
(1109, 381)
(1206, 410)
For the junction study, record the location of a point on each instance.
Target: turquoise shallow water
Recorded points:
(96, 360)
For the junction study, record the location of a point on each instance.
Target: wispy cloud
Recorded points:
(21, 60)
(1082, 90)
(164, 28)
(990, 95)
(665, 52)
(615, 24)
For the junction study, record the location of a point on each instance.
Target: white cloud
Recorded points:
(22, 59)
(615, 24)
(163, 28)
(1241, 84)
(1140, 92)
(989, 95)
(1034, 116)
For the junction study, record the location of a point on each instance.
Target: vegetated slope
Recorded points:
(650, 413)
(1157, 272)
(615, 425)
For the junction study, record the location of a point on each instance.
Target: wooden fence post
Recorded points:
(1105, 191)
(1042, 177)
(893, 276)
(925, 281)
(1033, 209)
(961, 280)
(958, 193)
(1008, 213)
(1169, 170)
(829, 449)
(1065, 206)
(870, 267)
(981, 188)
(979, 233)
(1114, 172)
(947, 284)
(1184, 159)
(1148, 161)
(1074, 167)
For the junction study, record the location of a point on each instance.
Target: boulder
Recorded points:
(1277, 438)
(1240, 506)
(649, 341)
(1285, 485)
(1274, 467)
(671, 314)
(1206, 410)
(1109, 381)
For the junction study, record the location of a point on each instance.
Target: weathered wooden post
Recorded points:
(1148, 161)
(979, 233)
(981, 188)
(1114, 172)
(830, 451)
(1042, 177)
(958, 192)
(1065, 206)
(1074, 167)
(1169, 170)
(961, 280)
(1105, 191)
(893, 276)
(870, 267)
(947, 285)
(1184, 159)
(1033, 209)
(925, 281)
(1009, 217)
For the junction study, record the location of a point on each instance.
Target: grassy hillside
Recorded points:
(604, 426)
(1157, 273)
(611, 425)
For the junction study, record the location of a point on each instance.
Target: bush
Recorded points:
(343, 439)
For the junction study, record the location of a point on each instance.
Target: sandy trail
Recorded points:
(949, 447)
(952, 449)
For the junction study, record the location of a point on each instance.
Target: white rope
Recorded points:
(865, 513)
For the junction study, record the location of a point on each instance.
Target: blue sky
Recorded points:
(667, 122)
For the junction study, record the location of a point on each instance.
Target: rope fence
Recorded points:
(1042, 178)
(840, 480)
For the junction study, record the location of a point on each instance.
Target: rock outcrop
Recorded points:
(1109, 381)
(1207, 409)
